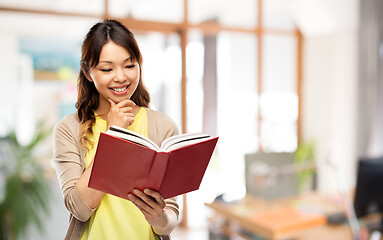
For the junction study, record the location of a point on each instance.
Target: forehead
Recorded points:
(113, 52)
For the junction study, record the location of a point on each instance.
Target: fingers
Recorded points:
(121, 114)
(152, 206)
(125, 110)
(126, 103)
(157, 196)
(126, 115)
(134, 199)
(140, 204)
(150, 201)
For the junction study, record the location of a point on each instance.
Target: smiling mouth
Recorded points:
(120, 89)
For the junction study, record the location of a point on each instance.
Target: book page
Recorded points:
(182, 140)
(132, 137)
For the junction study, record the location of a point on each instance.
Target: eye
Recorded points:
(106, 70)
(130, 66)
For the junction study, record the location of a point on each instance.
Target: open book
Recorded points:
(167, 145)
(126, 160)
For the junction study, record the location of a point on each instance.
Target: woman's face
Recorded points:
(116, 76)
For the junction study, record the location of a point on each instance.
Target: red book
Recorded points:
(125, 160)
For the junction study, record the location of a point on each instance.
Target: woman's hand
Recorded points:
(120, 114)
(152, 205)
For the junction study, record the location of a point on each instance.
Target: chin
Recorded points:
(122, 98)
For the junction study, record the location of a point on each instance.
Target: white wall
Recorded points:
(330, 89)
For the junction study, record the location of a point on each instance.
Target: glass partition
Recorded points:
(195, 66)
(237, 109)
(279, 99)
(162, 71)
(222, 101)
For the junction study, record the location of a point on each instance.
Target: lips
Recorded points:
(120, 90)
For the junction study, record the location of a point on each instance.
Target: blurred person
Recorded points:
(110, 92)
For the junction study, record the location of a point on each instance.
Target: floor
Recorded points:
(190, 234)
(197, 218)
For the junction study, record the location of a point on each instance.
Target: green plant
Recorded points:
(24, 192)
(305, 156)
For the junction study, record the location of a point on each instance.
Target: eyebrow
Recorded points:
(129, 58)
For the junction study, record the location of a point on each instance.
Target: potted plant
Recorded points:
(24, 192)
(305, 157)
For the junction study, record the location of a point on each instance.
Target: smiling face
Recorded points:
(116, 76)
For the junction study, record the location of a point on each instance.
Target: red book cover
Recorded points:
(121, 166)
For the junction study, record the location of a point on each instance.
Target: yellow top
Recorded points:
(117, 218)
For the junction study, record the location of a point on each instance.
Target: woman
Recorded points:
(110, 92)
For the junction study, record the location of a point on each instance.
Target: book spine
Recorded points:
(157, 171)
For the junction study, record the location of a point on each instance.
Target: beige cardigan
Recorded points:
(68, 160)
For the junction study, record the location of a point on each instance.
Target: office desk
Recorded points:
(238, 216)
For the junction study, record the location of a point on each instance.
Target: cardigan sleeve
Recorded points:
(67, 162)
(160, 126)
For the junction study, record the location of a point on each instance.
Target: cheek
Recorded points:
(99, 82)
(135, 82)
(134, 75)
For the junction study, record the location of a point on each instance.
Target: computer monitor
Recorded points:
(369, 189)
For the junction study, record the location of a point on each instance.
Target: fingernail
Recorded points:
(130, 196)
(135, 191)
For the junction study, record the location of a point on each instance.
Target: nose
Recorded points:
(120, 76)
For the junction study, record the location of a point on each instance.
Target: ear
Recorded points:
(85, 71)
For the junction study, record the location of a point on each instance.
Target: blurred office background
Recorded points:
(263, 75)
